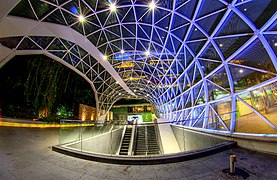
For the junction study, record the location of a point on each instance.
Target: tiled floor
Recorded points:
(26, 154)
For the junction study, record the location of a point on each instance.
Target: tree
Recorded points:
(32, 84)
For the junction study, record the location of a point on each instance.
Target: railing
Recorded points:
(159, 141)
(66, 121)
(133, 138)
(121, 140)
(107, 138)
(102, 138)
(102, 143)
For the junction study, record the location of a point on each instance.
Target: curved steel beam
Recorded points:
(15, 26)
(11, 53)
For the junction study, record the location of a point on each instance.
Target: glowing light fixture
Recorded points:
(147, 53)
(81, 18)
(116, 82)
(105, 57)
(241, 71)
(220, 45)
(152, 5)
(112, 7)
(122, 51)
(275, 44)
(119, 94)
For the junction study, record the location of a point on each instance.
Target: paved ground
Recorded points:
(26, 154)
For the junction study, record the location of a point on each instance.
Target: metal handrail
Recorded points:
(158, 136)
(132, 140)
(121, 140)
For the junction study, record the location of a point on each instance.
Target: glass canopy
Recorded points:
(207, 64)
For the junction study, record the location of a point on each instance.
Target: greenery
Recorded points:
(64, 112)
(39, 87)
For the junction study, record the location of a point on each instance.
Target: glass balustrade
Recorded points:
(137, 139)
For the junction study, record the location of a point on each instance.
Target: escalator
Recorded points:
(140, 143)
(146, 141)
(126, 142)
(153, 147)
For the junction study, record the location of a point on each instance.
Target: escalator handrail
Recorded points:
(133, 140)
(121, 140)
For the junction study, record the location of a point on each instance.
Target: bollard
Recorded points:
(233, 159)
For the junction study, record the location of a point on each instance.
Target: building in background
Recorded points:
(88, 113)
(143, 113)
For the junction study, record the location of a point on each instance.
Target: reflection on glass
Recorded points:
(261, 113)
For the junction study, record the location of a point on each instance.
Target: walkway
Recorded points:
(25, 153)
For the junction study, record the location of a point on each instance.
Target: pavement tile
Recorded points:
(26, 154)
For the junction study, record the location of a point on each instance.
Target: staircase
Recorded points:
(146, 141)
(126, 142)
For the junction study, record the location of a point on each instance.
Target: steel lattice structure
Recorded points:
(202, 63)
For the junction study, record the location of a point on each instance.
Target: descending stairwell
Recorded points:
(126, 142)
(146, 141)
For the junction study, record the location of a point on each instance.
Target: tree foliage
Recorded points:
(42, 84)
